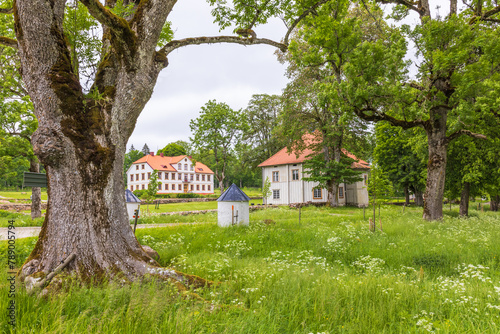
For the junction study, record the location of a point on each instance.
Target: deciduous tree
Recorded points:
(455, 56)
(82, 133)
(217, 129)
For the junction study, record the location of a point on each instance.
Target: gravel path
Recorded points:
(26, 232)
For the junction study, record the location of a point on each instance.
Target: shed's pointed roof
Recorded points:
(233, 194)
(130, 197)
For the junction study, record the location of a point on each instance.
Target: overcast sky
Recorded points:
(229, 73)
(196, 74)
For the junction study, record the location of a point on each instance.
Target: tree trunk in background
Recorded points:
(36, 192)
(436, 167)
(494, 202)
(464, 200)
(419, 198)
(407, 196)
(332, 191)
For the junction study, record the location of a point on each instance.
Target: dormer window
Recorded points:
(179, 166)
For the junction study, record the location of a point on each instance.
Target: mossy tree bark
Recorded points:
(81, 138)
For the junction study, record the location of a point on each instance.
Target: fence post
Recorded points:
(136, 217)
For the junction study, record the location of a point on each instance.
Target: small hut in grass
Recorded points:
(133, 204)
(233, 207)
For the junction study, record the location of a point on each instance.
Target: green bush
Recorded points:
(188, 195)
(139, 193)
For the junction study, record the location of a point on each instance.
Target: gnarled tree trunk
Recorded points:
(436, 166)
(81, 141)
(464, 200)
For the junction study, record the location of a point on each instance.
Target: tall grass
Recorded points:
(326, 274)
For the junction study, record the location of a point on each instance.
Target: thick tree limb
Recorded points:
(464, 132)
(104, 15)
(6, 10)
(119, 27)
(375, 116)
(491, 12)
(8, 42)
(300, 18)
(414, 85)
(408, 4)
(171, 46)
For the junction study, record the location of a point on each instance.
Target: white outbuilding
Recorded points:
(233, 207)
(133, 204)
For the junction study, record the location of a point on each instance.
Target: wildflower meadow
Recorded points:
(325, 274)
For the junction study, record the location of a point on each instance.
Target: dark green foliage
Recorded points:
(173, 150)
(323, 172)
(401, 154)
(145, 150)
(130, 157)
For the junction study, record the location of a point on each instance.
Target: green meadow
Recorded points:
(325, 274)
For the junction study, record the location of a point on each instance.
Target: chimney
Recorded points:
(152, 154)
(161, 154)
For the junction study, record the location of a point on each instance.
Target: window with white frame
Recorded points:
(276, 176)
(159, 175)
(317, 193)
(276, 194)
(341, 192)
(295, 174)
(185, 167)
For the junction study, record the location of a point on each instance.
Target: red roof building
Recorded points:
(175, 174)
(285, 171)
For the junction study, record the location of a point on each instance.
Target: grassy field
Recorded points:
(326, 274)
(20, 194)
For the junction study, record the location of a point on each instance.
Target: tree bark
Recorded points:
(494, 202)
(419, 198)
(36, 192)
(82, 142)
(333, 194)
(407, 196)
(436, 166)
(464, 200)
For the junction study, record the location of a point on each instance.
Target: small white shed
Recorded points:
(133, 204)
(233, 207)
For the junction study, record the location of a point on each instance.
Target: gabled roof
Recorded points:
(233, 194)
(130, 197)
(166, 164)
(285, 158)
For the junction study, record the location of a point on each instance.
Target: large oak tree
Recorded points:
(81, 134)
(455, 58)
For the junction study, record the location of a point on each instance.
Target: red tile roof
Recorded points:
(167, 164)
(285, 158)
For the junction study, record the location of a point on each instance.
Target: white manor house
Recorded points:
(285, 171)
(175, 175)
